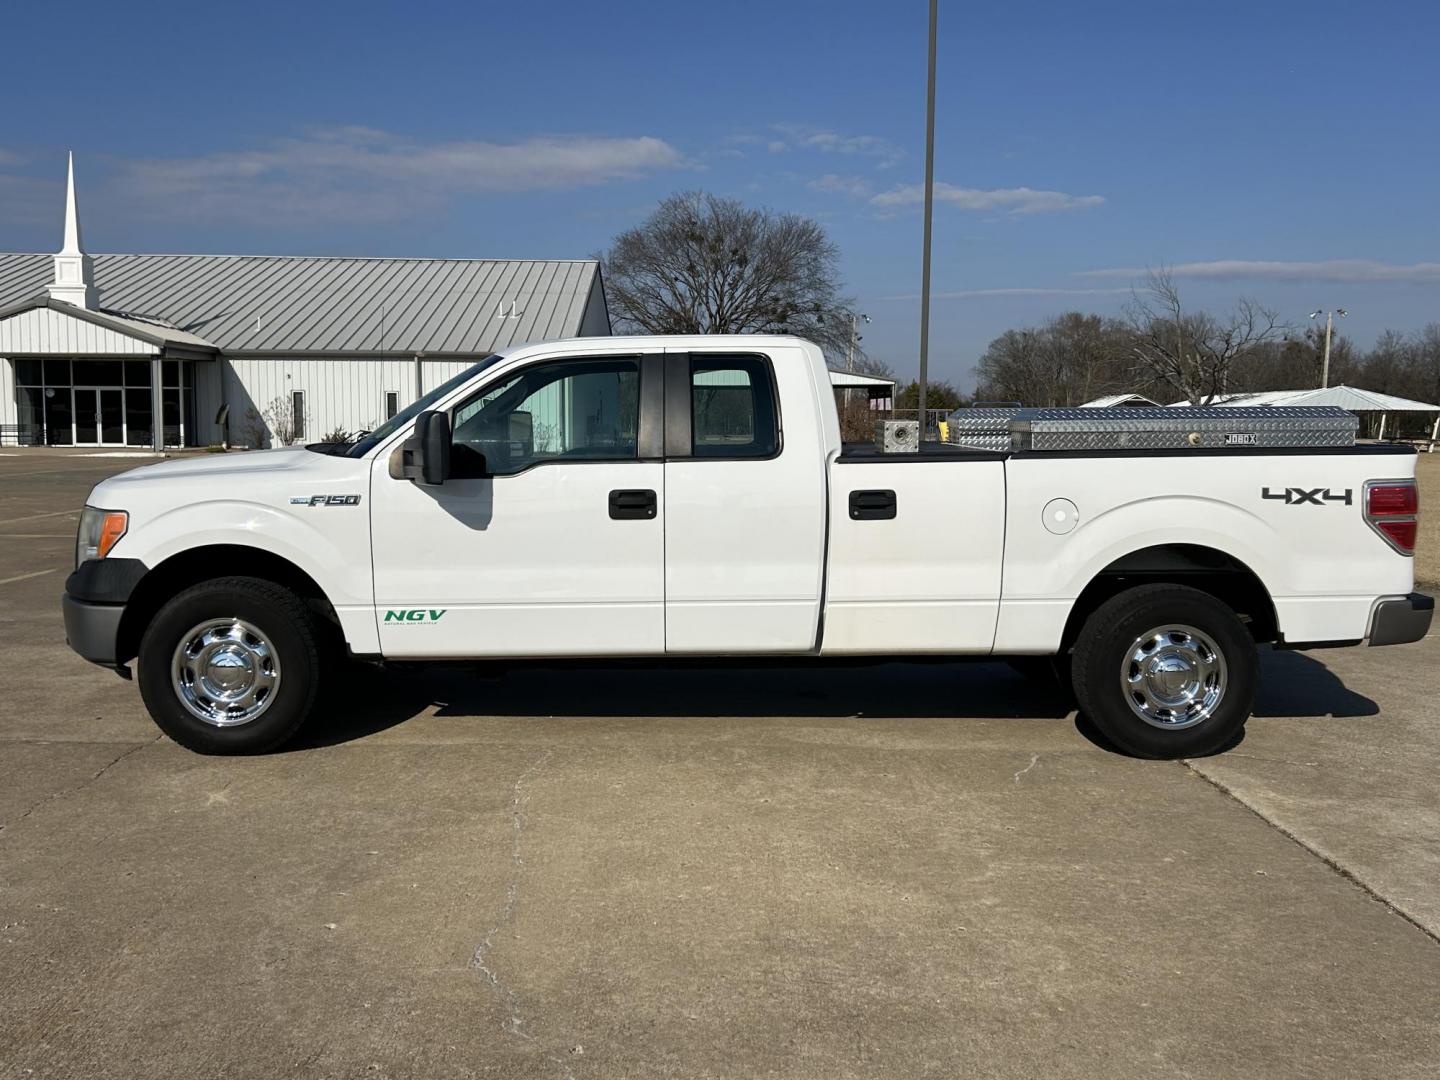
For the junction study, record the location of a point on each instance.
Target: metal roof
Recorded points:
(1356, 400)
(1232, 401)
(849, 380)
(1350, 398)
(1111, 401)
(291, 304)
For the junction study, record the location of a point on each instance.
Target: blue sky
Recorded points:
(1285, 150)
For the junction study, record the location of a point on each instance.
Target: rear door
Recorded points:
(744, 502)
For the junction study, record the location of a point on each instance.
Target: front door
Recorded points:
(556, 546)
(99, 416)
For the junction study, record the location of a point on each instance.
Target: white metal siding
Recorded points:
(339, 393)
(45, 330)
(7, 393)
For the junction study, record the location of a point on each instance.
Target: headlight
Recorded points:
(100, 530)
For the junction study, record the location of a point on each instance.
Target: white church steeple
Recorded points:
(72, 266)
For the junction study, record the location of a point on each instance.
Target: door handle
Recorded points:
(872, 505)
(632, 504)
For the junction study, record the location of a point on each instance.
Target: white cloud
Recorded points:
(982, 294)
(856, 187)
(1014, 201)
(359, 174)
(801, 137)
(1339, 271)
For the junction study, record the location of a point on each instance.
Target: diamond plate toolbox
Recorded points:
(981, 428)
(1181, 429)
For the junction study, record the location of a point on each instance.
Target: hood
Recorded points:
(273, 473)
(251, 461)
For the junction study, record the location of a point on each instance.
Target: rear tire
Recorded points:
(1166, 671)
(231, 666)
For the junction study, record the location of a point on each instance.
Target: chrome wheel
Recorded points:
(225, 672)
(1173, 677)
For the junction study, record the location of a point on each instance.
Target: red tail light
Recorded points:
(1391, 507)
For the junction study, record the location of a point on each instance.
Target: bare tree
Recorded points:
(703, 264)
(280, 418)
(865, 364)
(1068, 360)
(1193, 352)
(1425, 363)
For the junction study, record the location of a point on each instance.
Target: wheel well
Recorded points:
(1211, 571)
(191, 567)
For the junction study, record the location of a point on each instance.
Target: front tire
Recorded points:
(1166, 671)
(231, 666)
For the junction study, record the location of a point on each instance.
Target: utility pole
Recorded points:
(855, 318)
(1329, 326)
(929, 211)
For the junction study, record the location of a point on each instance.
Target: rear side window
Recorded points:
(732, 408)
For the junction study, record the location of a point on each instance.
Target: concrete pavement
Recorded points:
(904, 870)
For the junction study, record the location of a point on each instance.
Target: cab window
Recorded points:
(563, 410)
(732, 408)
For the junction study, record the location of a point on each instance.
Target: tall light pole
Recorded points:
(929, 210)
(1329, 326)
(856, 317)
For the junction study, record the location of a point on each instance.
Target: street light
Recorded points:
(1329, 325)
(929, 213)
(855, 319)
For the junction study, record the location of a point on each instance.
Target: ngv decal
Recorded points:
(325, 500)
(1294, 496)
(415, 615)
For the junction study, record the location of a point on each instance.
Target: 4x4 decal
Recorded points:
(1294, 496)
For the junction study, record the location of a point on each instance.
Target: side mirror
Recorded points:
(425, 456)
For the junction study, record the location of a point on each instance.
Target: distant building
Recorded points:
(879, 392)
(97, 348)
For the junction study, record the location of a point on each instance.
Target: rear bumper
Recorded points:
(1396, 622)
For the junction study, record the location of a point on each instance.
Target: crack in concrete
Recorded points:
(513, 1024)
(1034, 760)
(7, 826)
(1329, 860)
(1272, 760)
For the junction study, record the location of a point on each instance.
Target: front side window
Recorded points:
(416, 407)
(732, 408)
(564, 410)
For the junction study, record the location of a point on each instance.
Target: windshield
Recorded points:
(407, 414)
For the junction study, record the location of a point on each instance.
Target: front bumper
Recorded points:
(93, 630)
(1396, 622)
(94, 604)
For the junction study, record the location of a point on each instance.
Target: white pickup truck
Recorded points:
(690, 496)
